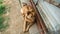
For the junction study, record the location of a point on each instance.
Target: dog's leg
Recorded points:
(24, 30)
(27, 29)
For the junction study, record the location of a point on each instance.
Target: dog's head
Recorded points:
(27, 9)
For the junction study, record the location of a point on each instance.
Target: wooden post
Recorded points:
(40, 22)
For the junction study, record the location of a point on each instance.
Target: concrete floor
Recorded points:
(16, 20)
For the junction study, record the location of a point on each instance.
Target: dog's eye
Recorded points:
(28, 13)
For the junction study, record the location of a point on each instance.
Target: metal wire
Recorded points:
(20, 3)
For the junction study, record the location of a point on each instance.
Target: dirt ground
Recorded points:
(16, 20)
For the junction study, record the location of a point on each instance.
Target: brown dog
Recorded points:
(29, 16)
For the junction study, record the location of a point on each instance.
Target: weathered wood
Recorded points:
(39, 19)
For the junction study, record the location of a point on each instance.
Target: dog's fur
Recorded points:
(29, 16)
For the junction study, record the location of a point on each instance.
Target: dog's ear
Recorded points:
(24, 4)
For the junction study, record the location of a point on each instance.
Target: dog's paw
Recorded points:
(27, 30)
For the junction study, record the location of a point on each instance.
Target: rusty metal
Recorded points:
(39, 19)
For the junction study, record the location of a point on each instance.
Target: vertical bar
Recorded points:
(39, 19)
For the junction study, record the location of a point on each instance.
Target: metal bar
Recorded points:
(39, 19)
(20, 3)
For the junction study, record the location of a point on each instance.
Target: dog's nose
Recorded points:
(28, 13)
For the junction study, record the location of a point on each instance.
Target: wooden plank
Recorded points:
(39, 19)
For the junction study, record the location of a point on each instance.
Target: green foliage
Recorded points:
(2, 9)
(1, 22)
(1, 1)
(3, 25)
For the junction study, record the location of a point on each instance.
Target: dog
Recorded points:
(28, 14)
